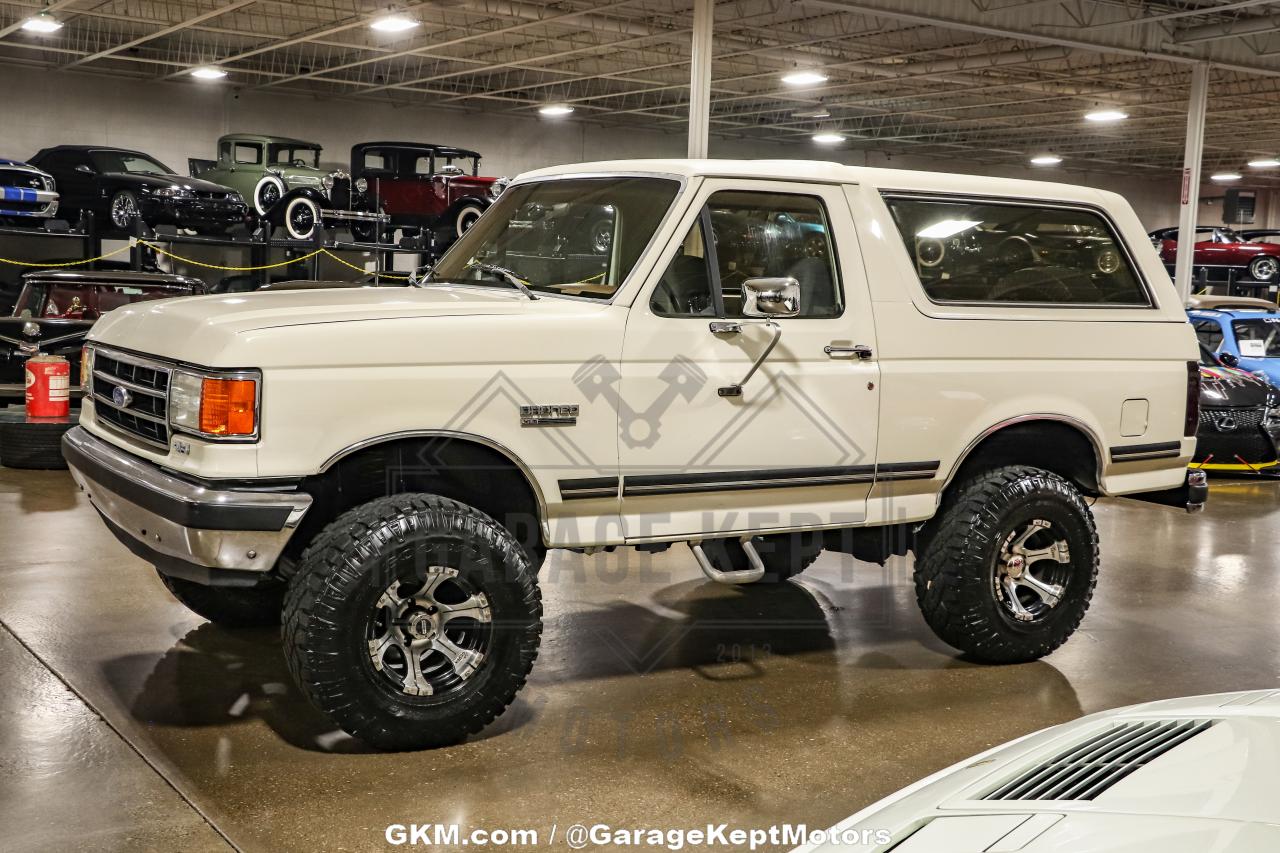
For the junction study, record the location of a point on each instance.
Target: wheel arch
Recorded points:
(500, 483)
(1065, 445)
(298, 192)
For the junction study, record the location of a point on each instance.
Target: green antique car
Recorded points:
(282, 180)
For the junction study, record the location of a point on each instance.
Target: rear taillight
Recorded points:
(1193, 399)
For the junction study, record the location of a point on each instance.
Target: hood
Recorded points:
(1181, 775)
(158, 181)
(367, 323)
(1230, 387)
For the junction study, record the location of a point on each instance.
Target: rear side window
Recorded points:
(247, 153)
(967, 251)
(1258, 338)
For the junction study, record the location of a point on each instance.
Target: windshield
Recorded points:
(1207, 358)
(52, 301)
(128, 161)
(287, 155)
(576, 237)
(1258, 338)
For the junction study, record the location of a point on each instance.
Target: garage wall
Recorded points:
(174, 121)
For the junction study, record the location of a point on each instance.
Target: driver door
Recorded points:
(797, 448)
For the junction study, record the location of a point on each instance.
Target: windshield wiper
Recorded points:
(509, 275)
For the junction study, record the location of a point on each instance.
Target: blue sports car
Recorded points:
(27, 195)
(1247, 337)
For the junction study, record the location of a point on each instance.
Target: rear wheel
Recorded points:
(465, 218)
(1264, 268)
(1006, 570)
(413, 621)
(231, 607)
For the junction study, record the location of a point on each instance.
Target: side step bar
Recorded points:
(750, 575)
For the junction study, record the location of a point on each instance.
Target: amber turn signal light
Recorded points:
(228, 407)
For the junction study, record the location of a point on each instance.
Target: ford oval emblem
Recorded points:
(121, 397)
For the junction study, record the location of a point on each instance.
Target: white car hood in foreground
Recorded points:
(1197, 775)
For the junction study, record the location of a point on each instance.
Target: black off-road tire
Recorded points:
(230, 606)
(784, 555)
(332, 598)
(35, 445)
(956, 564)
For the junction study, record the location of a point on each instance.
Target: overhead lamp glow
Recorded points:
(804, 78)
(1106, 115)
(42, 23)
(1225, 177)
(392, 24)
(555, 110)
(208, 72)
(828, 138)
(1046, 160)
(1265, 163)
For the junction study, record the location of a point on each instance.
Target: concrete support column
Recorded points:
(1191, 180)
(700, 78)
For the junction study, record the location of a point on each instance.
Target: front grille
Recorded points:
(24, 206)
(145, 414)
(1230, 436)
(1086, 770)
(340, 195)
(25, 180)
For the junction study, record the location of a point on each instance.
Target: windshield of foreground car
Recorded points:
(574, 236)
(1258, 338)
(128, 162)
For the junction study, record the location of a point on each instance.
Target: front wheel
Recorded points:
(301, 218)
(1264, 268)
(124, 209)
(1006, 570)
(413, 621)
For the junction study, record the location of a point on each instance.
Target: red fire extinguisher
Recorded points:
(48, 387)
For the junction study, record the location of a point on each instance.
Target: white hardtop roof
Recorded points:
(828, 172)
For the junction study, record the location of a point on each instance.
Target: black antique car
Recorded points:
(118, 185)
(56, 309)
(1239, 428)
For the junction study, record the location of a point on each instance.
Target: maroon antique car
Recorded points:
(1219, 252)
(421, 185)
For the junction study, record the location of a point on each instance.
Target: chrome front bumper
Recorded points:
(185, 529)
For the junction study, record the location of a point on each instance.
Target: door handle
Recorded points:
(860, 351)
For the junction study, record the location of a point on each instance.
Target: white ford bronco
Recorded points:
(754, 360)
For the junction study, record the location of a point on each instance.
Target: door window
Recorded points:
(248, 153)
(1209, 333)
(755, 235)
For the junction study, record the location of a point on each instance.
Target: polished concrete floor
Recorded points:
(126, 723)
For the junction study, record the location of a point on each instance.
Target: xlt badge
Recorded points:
(564, 415)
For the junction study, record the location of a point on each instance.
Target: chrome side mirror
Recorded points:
(770, 297)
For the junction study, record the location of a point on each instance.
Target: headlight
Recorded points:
(327, 182)
(173, 192)
(362, 185)
(496, 188)
(86, 369)
(214, 406)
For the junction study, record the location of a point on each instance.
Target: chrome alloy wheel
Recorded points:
(1264, 268)
(1032, 569)
(428, 637)
(124, 209)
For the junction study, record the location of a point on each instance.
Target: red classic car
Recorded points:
(424, 185)
(1219, 251)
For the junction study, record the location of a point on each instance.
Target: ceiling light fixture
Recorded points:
(1106, 115)
(1225, 177)
(392, 24)
(816, 112)
(828, 138)
(42, 23)
(1046, 160)
(555, 110)
(1265, 163)
(208, 72)
(804, 78)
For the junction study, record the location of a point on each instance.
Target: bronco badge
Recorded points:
(564, 415)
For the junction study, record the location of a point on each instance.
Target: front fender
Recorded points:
(278, 209)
